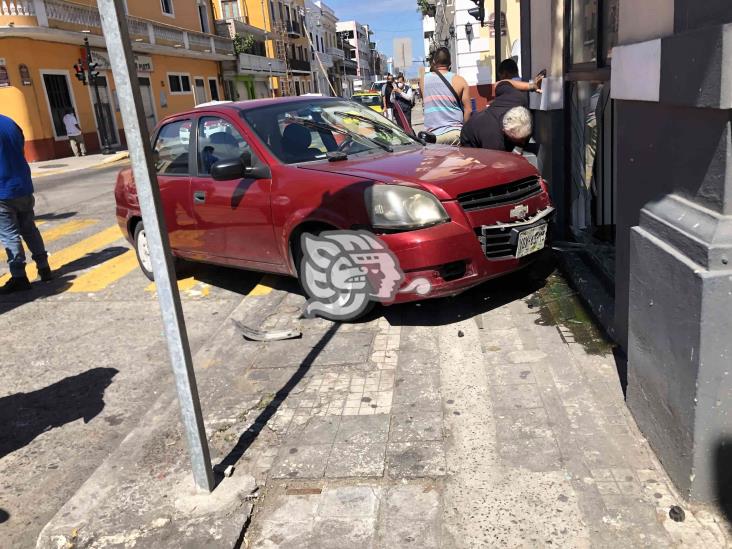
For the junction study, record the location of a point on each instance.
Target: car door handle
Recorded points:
(199, 197)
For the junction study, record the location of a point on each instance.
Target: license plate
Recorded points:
(531, 240)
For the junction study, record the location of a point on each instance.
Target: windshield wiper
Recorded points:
(374, 123)
(317, 125)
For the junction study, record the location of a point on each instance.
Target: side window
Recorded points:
(218, 139)
(171, 148)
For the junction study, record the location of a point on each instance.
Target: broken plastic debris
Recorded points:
(460, 333)
(259, 335)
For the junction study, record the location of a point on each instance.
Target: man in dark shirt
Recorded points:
(386, 100)
(495, 128)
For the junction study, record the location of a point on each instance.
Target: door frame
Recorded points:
(60, 72)
(115, 129)
(148, 75)
(202, 79)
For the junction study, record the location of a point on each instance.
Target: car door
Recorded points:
(172, 155)
(234, 217)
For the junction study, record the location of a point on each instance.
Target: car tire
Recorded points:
(297, 257)
(143, 253)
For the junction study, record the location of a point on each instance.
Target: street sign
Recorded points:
(122, 61)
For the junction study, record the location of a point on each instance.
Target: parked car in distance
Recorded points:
(250, 178)
(372, 100)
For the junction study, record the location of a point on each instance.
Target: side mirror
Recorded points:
(231, 168)
(239, 168)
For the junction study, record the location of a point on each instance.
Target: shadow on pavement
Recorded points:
(24, 416)
(723, 476)
(62, 282)
(234, 280)
(4, 516)
(251, 434)
(55, 216)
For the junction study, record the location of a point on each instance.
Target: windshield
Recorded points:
(367, 100)
(300, 132)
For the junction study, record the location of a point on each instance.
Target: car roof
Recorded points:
(243, 106)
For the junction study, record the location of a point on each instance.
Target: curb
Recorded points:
(117, 157)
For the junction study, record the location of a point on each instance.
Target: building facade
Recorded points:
(328, 22)
(358, 37)
(178, 60)
(255, 71)
(472, 44)
(320, 21)
(635, 139)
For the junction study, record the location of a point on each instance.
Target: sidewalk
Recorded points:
(74, 163)
(494, 419)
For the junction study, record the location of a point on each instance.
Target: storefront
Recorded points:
(41, 87)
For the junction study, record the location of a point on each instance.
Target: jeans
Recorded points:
(16, 222)
(77, 145)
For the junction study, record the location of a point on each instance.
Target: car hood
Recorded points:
(442, 170)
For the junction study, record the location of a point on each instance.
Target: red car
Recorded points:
(241, 182)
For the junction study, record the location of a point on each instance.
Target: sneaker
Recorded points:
(46, 274)
(15, 284)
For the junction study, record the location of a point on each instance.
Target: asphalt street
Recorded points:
(84, 356)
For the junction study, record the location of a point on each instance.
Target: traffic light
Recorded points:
(80, 74)
(93, 72)
(478, 12)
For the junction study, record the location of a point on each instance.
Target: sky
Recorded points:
(388, 19)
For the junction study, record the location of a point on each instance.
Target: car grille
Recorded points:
(500, 195)
(496, 243)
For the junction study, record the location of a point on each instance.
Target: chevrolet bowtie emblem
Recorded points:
(519, 212)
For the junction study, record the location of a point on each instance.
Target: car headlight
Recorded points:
(401, 207)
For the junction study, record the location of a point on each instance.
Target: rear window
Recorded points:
(367, 100)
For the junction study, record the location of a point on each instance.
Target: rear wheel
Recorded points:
(142, 250)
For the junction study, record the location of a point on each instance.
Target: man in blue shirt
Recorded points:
(16, 210)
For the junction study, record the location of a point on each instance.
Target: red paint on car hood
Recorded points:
(443, 170)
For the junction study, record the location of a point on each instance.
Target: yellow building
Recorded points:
(177, 55)
(279, 53)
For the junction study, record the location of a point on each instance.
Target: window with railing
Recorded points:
(167, 6)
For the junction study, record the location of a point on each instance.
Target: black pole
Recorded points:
(497, 27)
(106, 149)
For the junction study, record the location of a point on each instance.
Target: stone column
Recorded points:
(673, 100)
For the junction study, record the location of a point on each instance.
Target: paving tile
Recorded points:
(317, 430)
(356, 460)
(535, 454)
(301, 461)
(415, 459)
(283, 535)
(415, 426)
(349, 502)
(294, 508)
(510, 374)
(363, 430)
(414, 533)
(334, 533)
(515, 396)
(522, 423)
(414, 501)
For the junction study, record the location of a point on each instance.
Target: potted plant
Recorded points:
(425, 8)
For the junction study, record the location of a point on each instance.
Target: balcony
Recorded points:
(256, 64)
(68, 16)
(237, 25)
(293, 29)
(299, 65)
(336, 53)
(324, 58)
(350, 67)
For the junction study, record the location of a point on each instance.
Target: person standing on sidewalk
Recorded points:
(16, 210)
(73, 130)
(446, 100)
